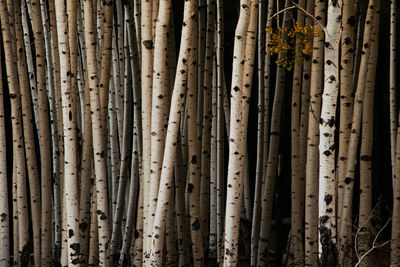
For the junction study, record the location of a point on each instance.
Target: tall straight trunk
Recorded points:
(47, 201)
(44, 133)
(206, 129)
(119, 52)
(241, 90)
(99, 151)
(212, 241)
(393, 83)
(262, 147)
(57, 186)
(395, 242)
(327, 172)
(113, 135)
(346, 96)
(29, 63)
(180, 212)
(268, 186)
(178, 95)
(220, 129)
(312, 172)
(201, 44)
(147, 81)
(235, 147)
(4, 207)
(131, 208)
(70, 142)
(194, 150)
(346, 225)
(365, 208)
(297, 188)
(85, 177)
(28, 130)
(20, 205)
(159, 108)
(126, 146)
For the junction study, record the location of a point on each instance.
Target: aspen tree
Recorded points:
(260, 128)
(345, 231)
(94, 233)
(365, 208)
(268, 186)
(395, 241)
(98, 142)
(47, 200)
(178, 95)
(119, 52)
(85, 174)
(105, 64)
(305, 102)
(73, 51)
(207, 118)
(327, 200)
(201, 48)
(159, 107)
(44, 133)
(4, 207)
(28, 130)
(233, 200)
(392, 82)
(346, 95)
(29, 63)
(212, 242)
(220, 129)
(146, 87)
(136, 149)
(312, 164)
(241, 90)
(180, 212)
(193, 183)
(131, 208)
(19, 194)
(262, 147)
(60, 149)
(297, 188)
(113, 125)
(126, 144)
(69, 119)
(15, 225)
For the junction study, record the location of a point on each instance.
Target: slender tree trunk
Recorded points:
(194, 150)
(364, 222)
(85, 177)
(158, 111)
(207, 118)
(28, 130)
(393, 82)
(297, 188)
(327, 147)
(99, 152)
(240, 94)
(19, 195)
(312, 171)
(69, 119)
(220, 130)
(4, 207)
(147, 79)
(346, 96)
(346, 225)
(268, 186)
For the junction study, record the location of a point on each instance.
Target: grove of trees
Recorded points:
(199, 133)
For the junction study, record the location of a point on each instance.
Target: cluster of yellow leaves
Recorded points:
(292, 44)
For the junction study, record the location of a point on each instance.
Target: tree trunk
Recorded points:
(327, 147)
